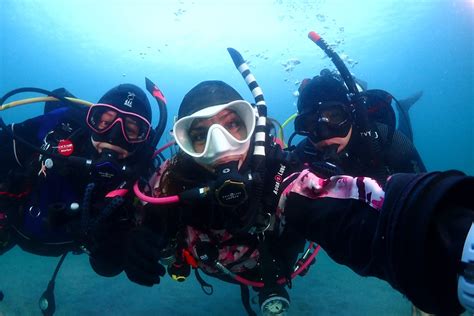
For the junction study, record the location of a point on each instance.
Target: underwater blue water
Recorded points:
(89, 46)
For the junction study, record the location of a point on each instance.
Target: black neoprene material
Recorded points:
(420, 263)
(414, 242)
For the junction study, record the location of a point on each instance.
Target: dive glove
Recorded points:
(143, 254)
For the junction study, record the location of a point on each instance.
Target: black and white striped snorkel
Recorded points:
(260, 129)
(258, 161)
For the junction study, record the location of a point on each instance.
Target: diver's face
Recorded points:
(107, 119)
(100, 146)
(116, 129)
(129, 125)
(340, 141)
(226, 118)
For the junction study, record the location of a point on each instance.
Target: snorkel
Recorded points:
(160, 99)
(260, 130)
(354, 95)
(257, 221)
(337, 61)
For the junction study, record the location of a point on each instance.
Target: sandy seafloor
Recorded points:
(329, 289)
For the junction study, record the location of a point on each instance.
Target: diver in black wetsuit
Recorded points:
(340, 132)
(66, 176)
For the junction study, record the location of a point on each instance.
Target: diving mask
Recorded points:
(332, 119)
(217, 131)
(102, 118)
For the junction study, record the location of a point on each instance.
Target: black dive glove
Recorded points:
(107, 256)
(143, 254)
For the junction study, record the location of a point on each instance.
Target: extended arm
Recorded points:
(414, 241)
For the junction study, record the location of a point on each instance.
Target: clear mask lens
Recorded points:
(216, 130)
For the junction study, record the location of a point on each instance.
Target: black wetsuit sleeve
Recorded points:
(402, 155)
(414, 242)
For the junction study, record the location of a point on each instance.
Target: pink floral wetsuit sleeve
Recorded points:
(340, 187)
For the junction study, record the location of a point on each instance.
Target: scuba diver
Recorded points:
(212, 205)
(52, 205)
(221, 237)
(351, 130)
(67, 175)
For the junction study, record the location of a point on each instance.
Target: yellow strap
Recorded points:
(41, 99)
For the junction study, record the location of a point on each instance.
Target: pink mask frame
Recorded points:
(143, 133)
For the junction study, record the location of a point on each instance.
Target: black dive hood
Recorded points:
(107, 166)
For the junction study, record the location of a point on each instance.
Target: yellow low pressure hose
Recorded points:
(41, 99)
(288, 120)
